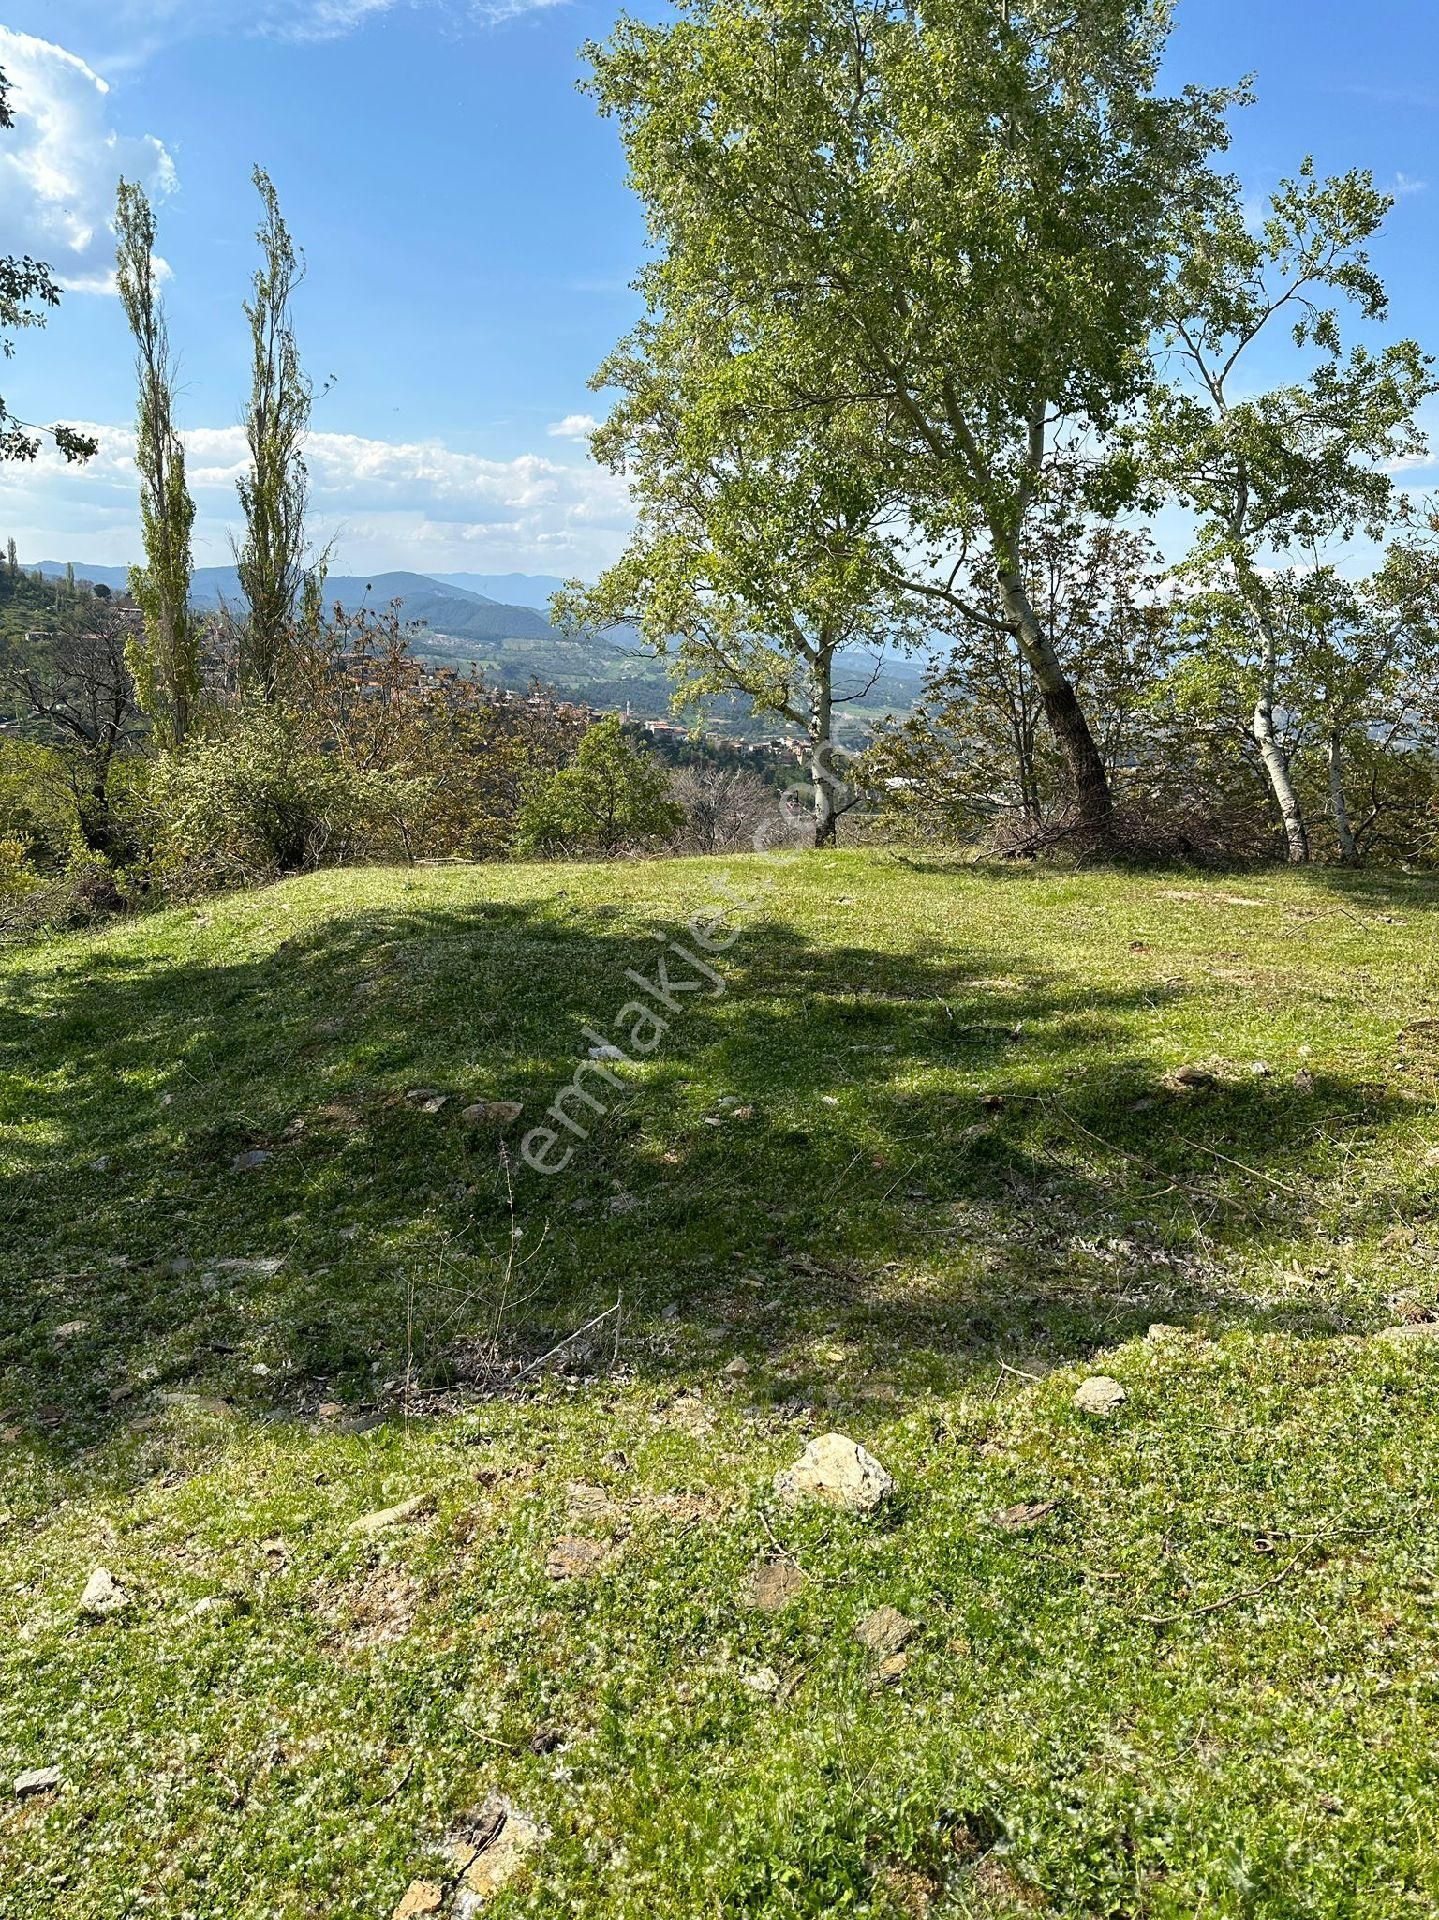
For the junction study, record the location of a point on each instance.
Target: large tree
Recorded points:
(751, 568)
(1298, 466)
(28, 295)
(274, 493)
(954, 217)
(74, 681)
(976, 754)
(165, 656)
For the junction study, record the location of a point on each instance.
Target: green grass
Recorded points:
(1204, 1683)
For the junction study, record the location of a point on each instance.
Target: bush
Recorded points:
(17, 874)
(37, 808)
(87, 892)
(612, 800)
(257, 799)
(724, 807)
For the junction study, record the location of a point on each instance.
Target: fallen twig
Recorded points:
(533, 1366)
(1230, 1599)
(778, 1545)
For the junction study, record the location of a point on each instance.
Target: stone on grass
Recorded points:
(396, 1516)
(590, 1504)
(1027, 1514)
(1410, 1330)
(574, 1555)
(838, 1472)
(891, 1669)
(248, 1162)
(885, 1630)
(491, 1113)
(103, 1594)
(764, 1681)
(37, 1780)
(1098, 1395)
(419, 1898)
(773, 1585)
(488, 1850)
(1194, 1078)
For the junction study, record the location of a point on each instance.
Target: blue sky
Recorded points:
(470, 240)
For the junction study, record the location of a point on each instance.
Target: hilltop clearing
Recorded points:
(434, 1496)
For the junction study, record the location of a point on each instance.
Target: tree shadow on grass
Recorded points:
(232, 1177)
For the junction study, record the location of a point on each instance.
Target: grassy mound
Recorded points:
(921, 1152)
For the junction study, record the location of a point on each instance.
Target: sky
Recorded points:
(470, 242)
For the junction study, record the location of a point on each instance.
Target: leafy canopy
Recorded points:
(613, 797)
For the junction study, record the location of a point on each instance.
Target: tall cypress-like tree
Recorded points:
(165, 660)
(274, 493)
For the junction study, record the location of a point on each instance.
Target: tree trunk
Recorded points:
(1276, 761)
(1094, 802)
(1348, 849)
(821, 748)
(95, 818)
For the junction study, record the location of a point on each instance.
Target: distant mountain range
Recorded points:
(510, 640)
(446, 606)
(511, 589)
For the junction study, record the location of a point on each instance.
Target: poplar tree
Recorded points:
(274, 492)
(165, 656)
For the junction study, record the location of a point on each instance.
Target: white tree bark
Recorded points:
(1276, 761)
(1339, 806)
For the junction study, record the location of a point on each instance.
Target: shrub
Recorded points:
(88, 891)
(36, 805)
(613, 799)
(257, 798)
(17, 875)
(724, 807)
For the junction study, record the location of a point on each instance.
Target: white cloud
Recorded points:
(318, 19)
(574, 426)
(60, 163)
(134, 30)
(1406, 185)
(411, 504)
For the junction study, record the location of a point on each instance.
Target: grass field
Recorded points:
(946, 1143)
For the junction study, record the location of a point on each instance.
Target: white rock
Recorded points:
(37, 1780)
(1099, 1395)
(836, 1471)
(103, 1594)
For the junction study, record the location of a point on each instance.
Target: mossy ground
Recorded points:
(922, 1166)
